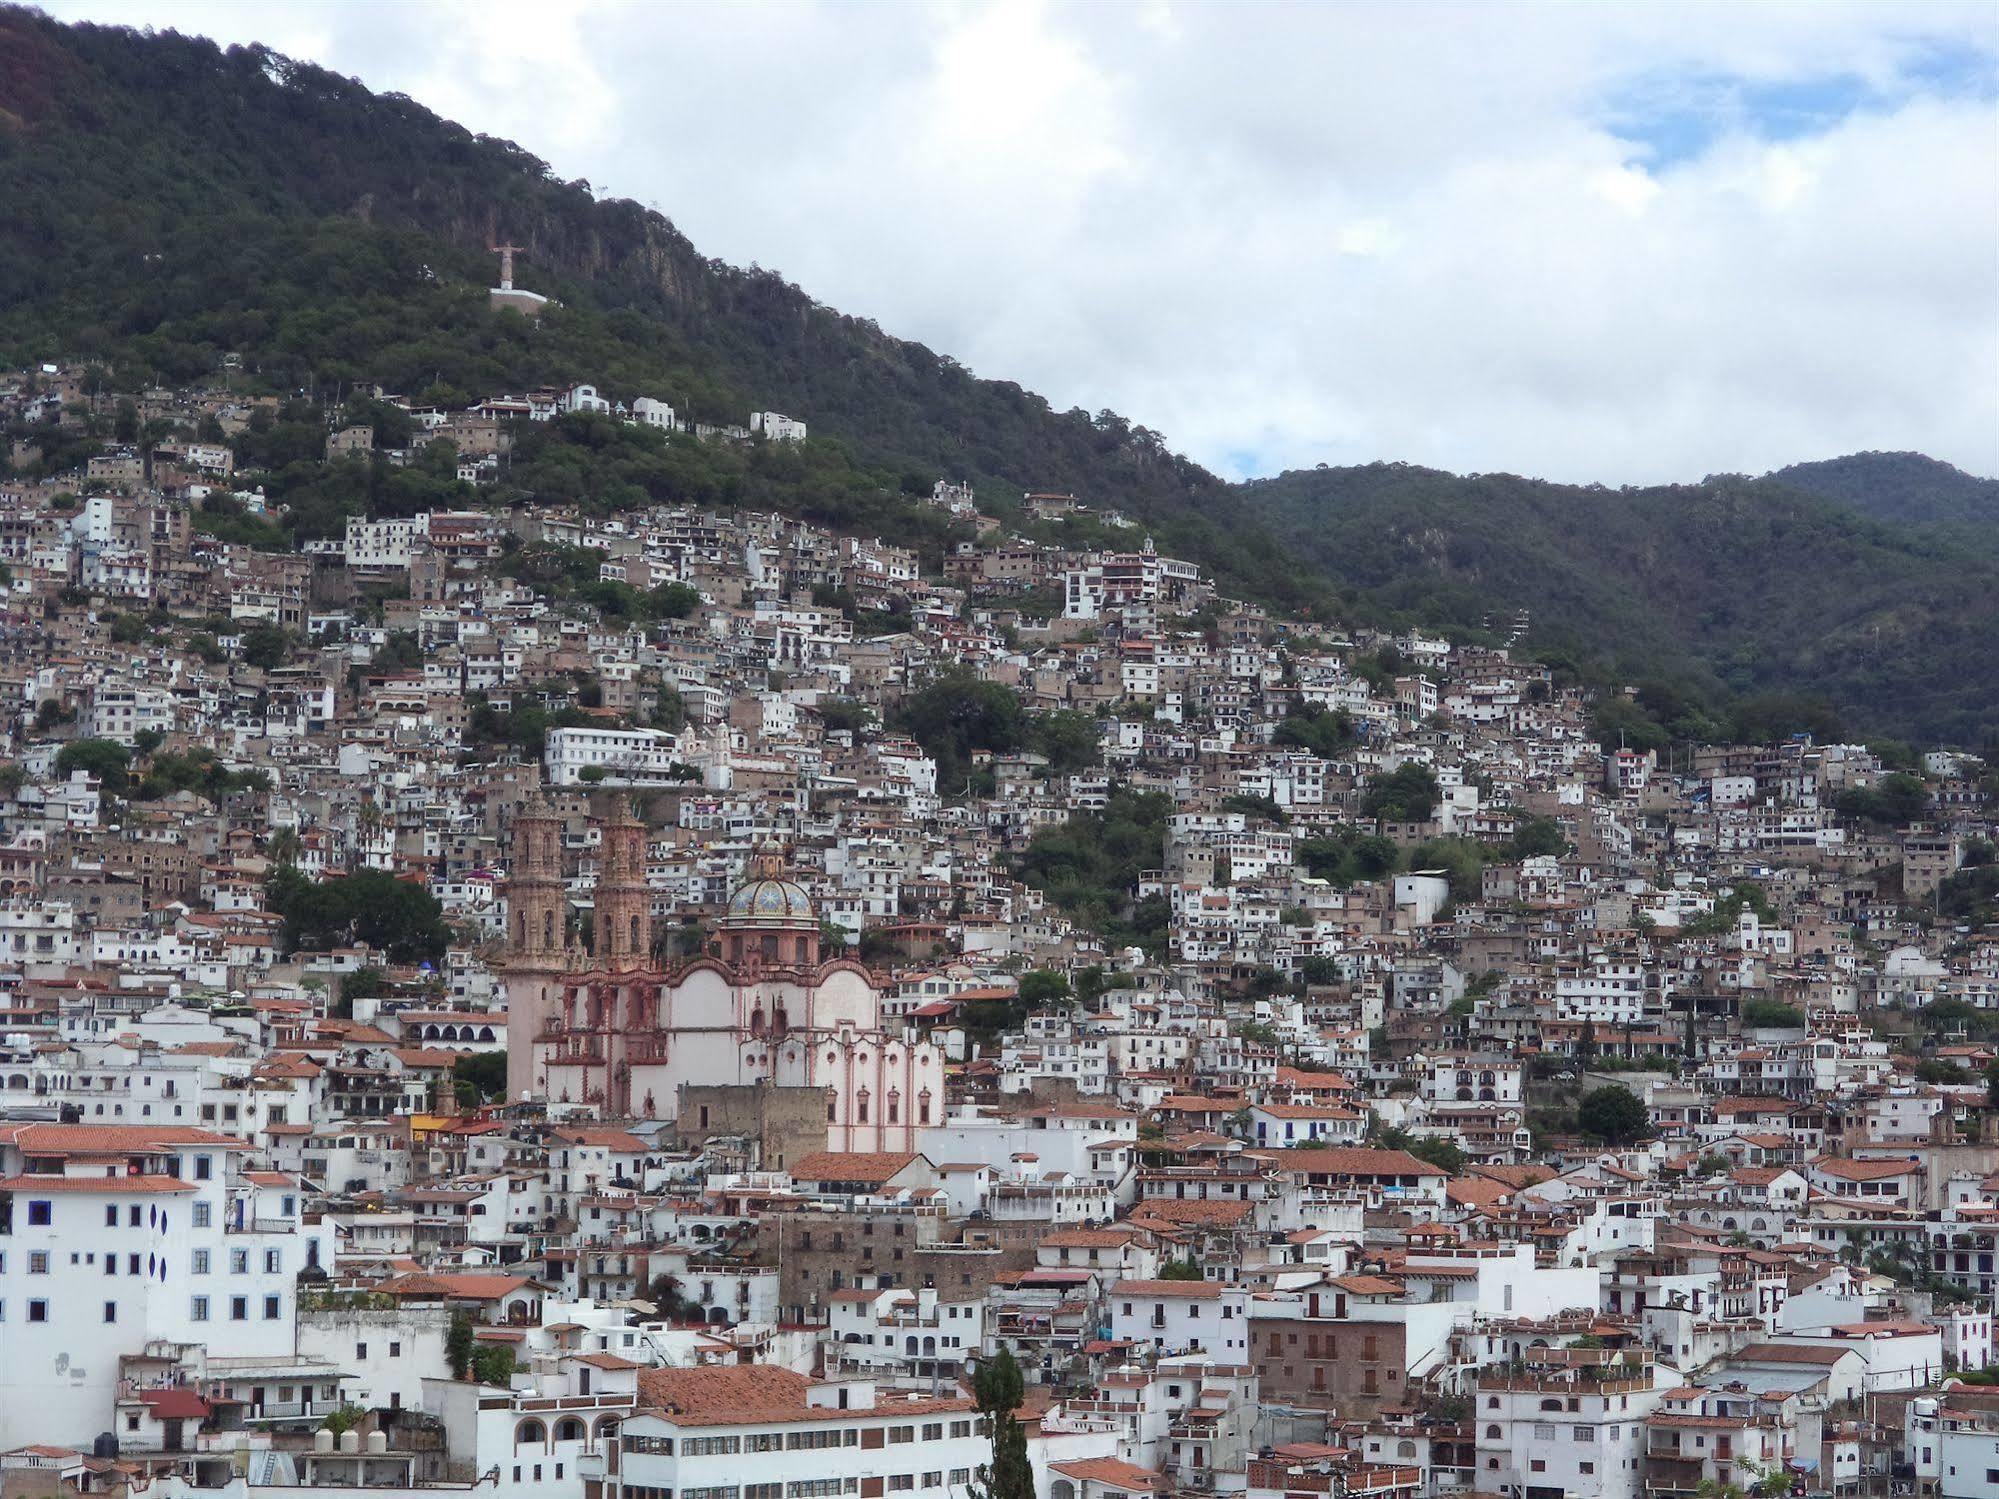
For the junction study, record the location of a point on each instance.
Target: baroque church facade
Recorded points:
(763, 1006)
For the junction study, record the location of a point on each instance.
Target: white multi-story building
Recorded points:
(1554, 1430)
(624, 756)
(116, 1236)
(790, 1437)
(1183, 1316)
(382, 544)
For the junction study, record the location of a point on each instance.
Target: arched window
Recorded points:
(861, 1107)
(923, 1107)
(1492, 1433)
(757, 1021)
(529, 1431)
(548, 929)
(635, 934)
(768, 947)
(569, 1429)
(894, 1114)
(1406, 1449)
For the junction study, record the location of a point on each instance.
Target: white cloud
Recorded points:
(1301, 234)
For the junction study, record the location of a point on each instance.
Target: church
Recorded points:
(763, 1006)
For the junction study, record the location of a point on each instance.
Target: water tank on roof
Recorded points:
(378, 1441)
(322, 1440)
(350, 1441)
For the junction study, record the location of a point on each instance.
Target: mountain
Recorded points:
(1721, 589)
(169, 202)
(1906, 489)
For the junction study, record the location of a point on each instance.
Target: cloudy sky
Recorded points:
(1626, 242)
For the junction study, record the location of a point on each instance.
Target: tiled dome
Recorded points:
(772, 898)
(767, 895)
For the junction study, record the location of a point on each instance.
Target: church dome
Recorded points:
(768, 896)
(772, 897)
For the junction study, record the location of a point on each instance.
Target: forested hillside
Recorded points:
(1906, 489)
(168, 202)
(1725, 588)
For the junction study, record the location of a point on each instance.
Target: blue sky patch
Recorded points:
(1672, 115)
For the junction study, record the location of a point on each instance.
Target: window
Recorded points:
(273, 1261)
(38, 1262)
(198, 1265)
(201, 1211)
(38, 1311)
(239, 1262)
(710, 1446)
(1585, 1433)
(110, 1311)
(39, 1213)
(239, 1309)
(203, 1170)
(111, 1215)
(1543, 1433)
(395, 1350)
(198, 1309)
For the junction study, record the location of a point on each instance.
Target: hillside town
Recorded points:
(923, 1000)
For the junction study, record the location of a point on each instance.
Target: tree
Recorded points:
(1406, 794)
(997, 1391)
(1042, 987)
(1613, 1114)
(458, 1345)
(1445, 1154)
(1771, 1014)
(1537, 836)
(482, 1074)
(1180, 1270)
(493, 1364)
(104, 759)
(345, 1419)
(1070, 740)
(267, 646)
(371, 905)
(958, 714)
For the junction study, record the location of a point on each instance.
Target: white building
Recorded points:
(1183, 1316)
(119, 1235)
(621, 756)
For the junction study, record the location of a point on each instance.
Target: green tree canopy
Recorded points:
(105, 759)
(1613, 1114)
(1407, 793)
